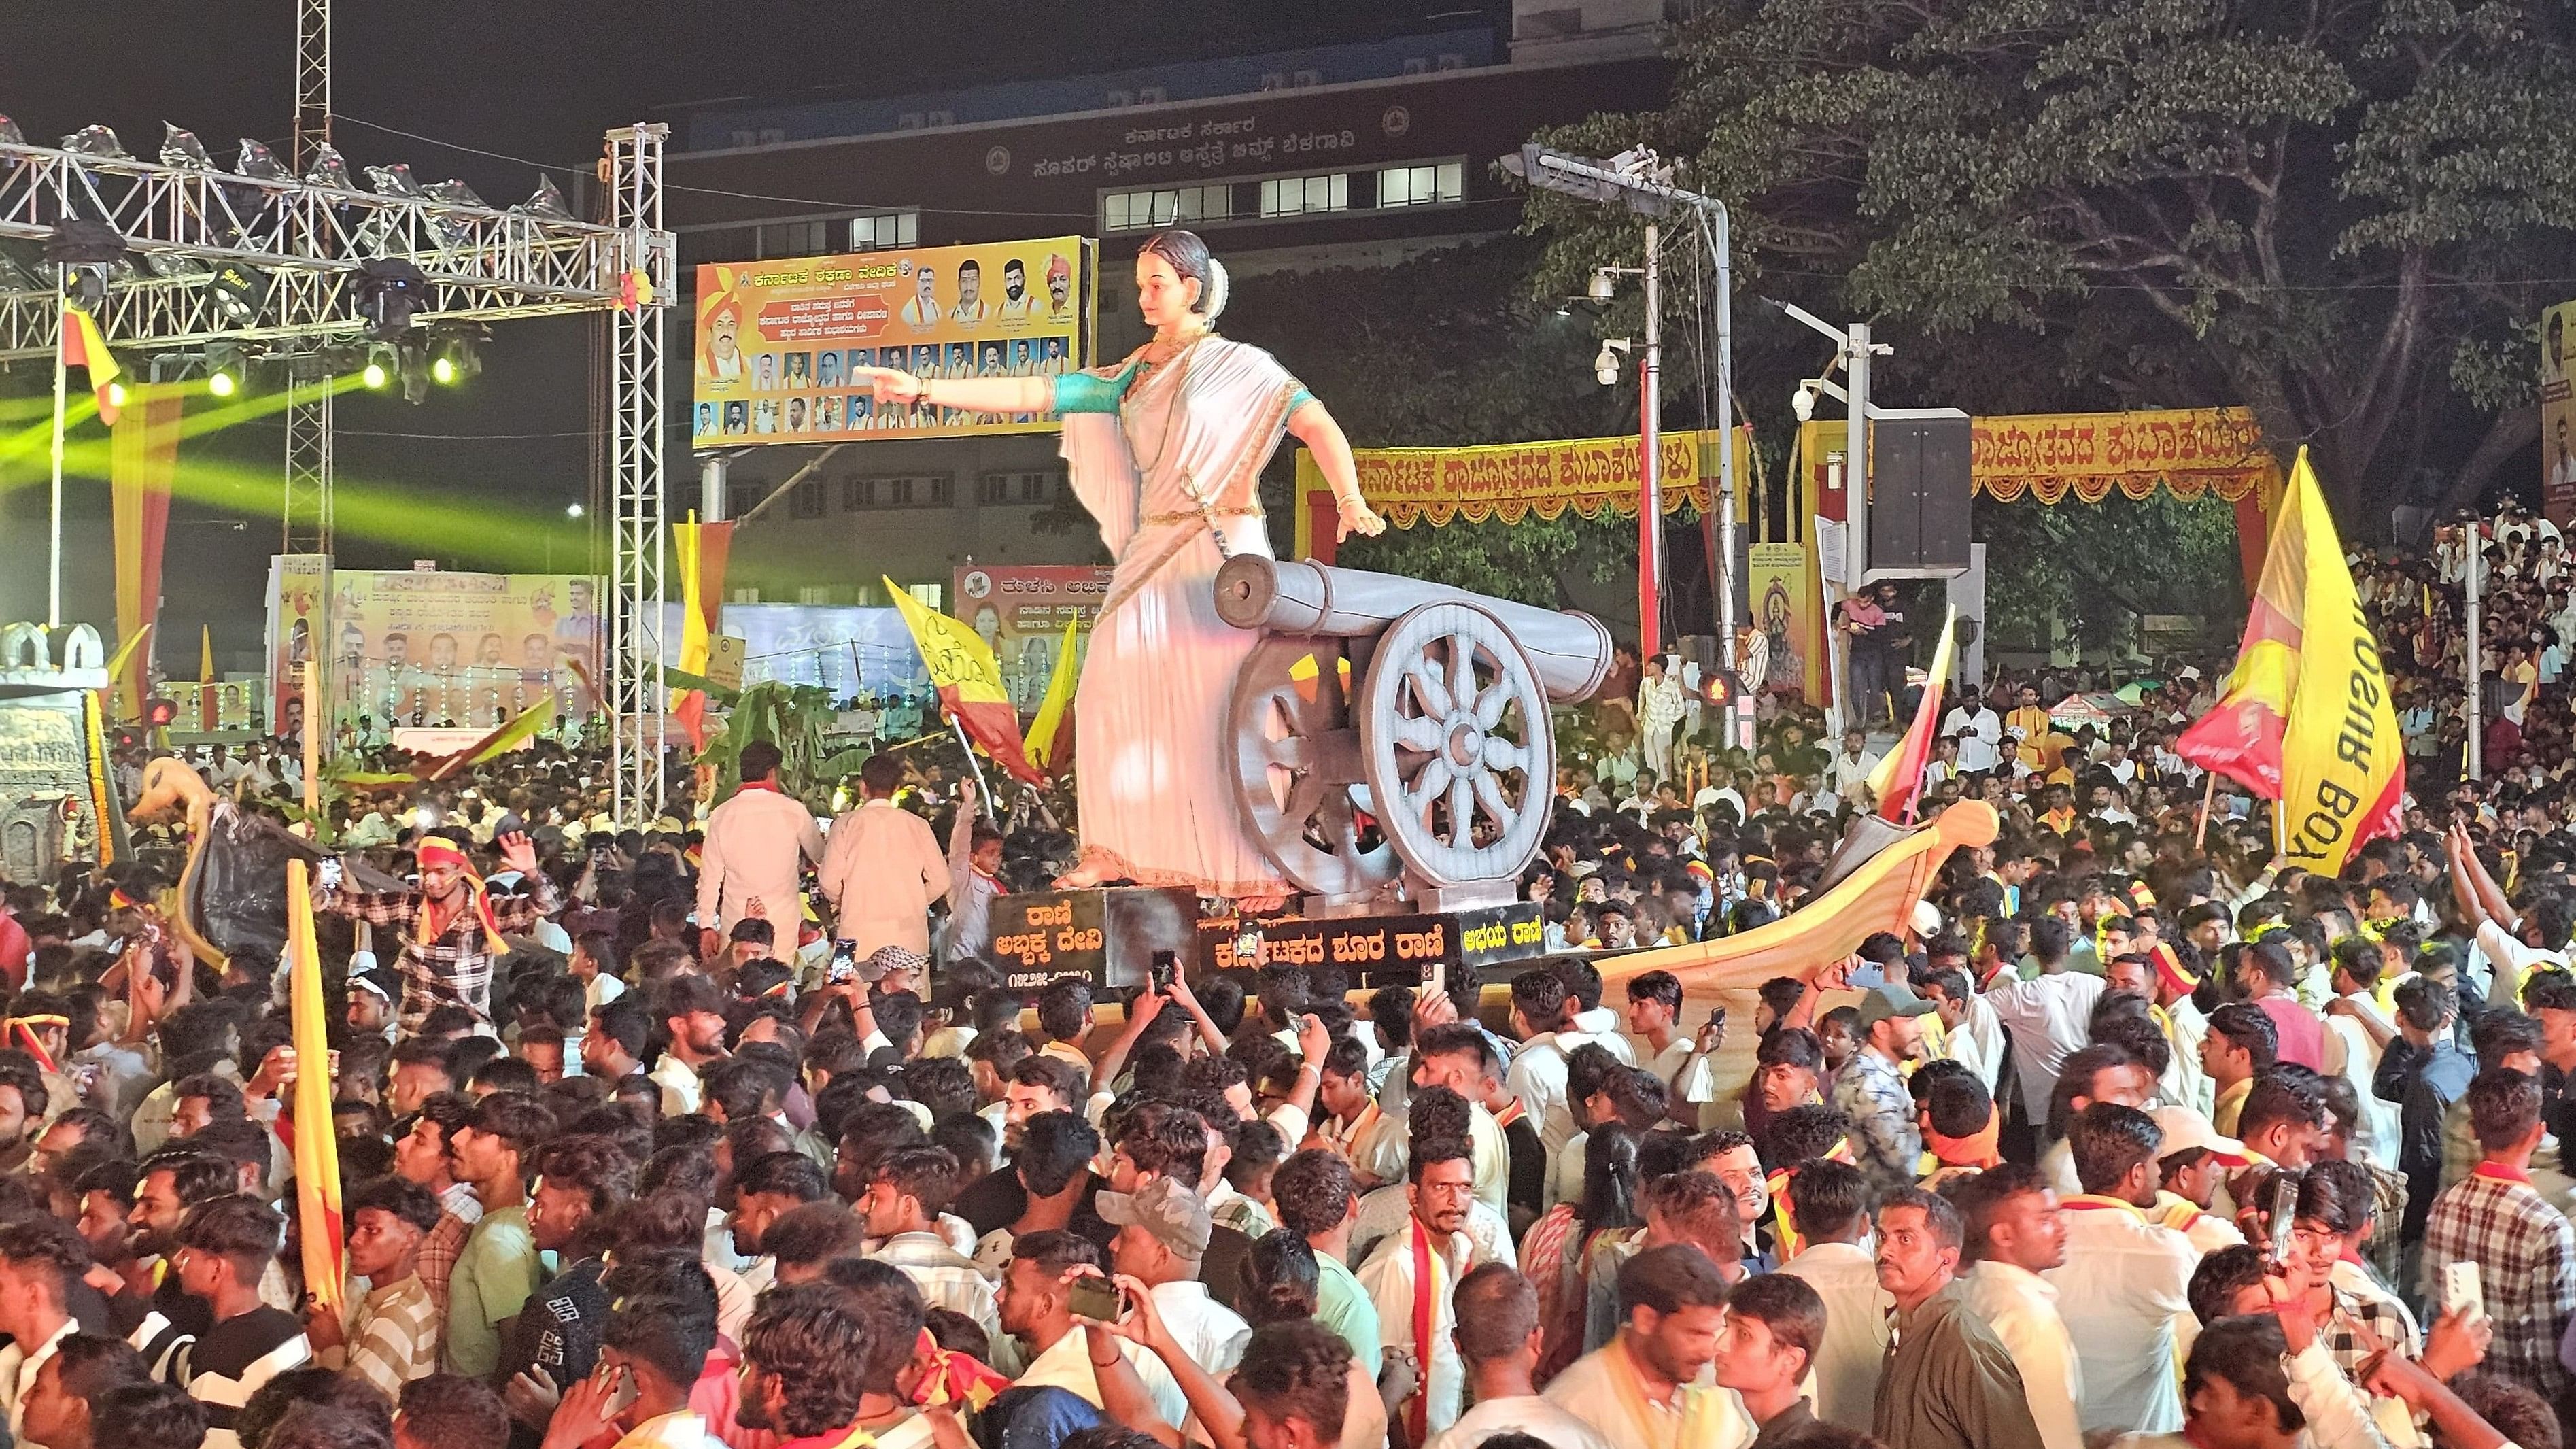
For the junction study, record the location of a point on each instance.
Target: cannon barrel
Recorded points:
(1569, 651)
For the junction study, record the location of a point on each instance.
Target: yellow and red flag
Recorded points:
(85, 347)
(2306, 718)
(1898, 780)
(1051, 733)
(317, 1150)
(703, 549)
(969, 681)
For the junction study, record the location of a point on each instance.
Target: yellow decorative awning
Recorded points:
(1510, 481)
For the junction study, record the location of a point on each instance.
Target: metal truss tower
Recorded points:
(306, 515)
(636, 703)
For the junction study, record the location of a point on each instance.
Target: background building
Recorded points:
(1358, 153)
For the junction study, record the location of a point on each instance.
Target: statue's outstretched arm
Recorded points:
(1312, 425)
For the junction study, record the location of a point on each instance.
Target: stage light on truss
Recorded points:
(547, 204)
(237, 292)
(224, 370)
(183, 149)
(328, 169)
(98, 142)
(395, 180)
(260, 163)
(414, 371)
(382, 361)
(390, 290)
(10, 135)
(89, 248)
(116, 394)
(574, 510)
(457, 354)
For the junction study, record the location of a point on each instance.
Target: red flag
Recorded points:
(1898, 780)
(85, 347)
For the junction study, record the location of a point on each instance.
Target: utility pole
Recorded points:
(1856, 450)
(2475, 651)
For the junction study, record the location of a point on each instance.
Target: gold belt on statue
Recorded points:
(1157, 520)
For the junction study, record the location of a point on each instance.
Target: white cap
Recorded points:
(2185, 1129)
(1927, 919)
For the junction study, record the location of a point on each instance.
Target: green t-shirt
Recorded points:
(496, 1271)
(1343, 1306)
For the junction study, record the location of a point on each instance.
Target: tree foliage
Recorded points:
(2344, 214)
(2096, 568)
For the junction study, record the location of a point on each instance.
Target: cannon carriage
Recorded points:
(1391, 738)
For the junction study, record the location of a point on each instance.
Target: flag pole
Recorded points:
(2208, 796)
(312, 744)
(968, 746)
(54, 515)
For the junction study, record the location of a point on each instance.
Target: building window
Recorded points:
(1036, 487)
(1151, 95)
(814, 594)
(1298, 195)
(857, 493)
(795, 239)
(1421, 185)
(1306, 79)
(929, 596)
(993, 488)
(939, 491)
(1272, 80)
(896, 492)
(1122, 98)
(1416, 65)
(1170, 206)
(879, 230)
(741, 498)
(943, 118)
(808, 502)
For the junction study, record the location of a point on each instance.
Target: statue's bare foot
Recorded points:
(1091, 871)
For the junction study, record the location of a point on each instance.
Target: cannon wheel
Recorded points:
(1297, 764)
(1454, 735)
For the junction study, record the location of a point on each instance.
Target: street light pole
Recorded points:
(1856, 450)
(1650, 470)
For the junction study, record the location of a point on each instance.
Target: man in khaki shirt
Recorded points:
(882, 867)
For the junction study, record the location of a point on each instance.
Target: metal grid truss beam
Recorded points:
(637, 697)
(308, 241)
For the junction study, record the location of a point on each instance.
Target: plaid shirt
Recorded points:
(2526, 1256)
(1885, 1144)
(456, 968)
(947, 1278)
(2360, 1327)
(438, 1249)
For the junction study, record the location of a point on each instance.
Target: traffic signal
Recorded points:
(159, 712)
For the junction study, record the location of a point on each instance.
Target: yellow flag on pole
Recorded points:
(317, 1150)
(2343, 774)
(969, 681)
(1048, 727)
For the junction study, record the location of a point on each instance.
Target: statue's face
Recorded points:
(1163, 295)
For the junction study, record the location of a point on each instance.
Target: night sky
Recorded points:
(538, 80)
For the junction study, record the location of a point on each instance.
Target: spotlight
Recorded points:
(89, 248)
(98, 143)
(237, 292)
(183, 149)
(382, 361)
(224, 371)
(574, 510)
(116, 394)
(390, 290)
(458, 355)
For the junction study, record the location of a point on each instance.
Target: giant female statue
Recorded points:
(1166, 450)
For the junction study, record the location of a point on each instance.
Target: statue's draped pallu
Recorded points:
(1175, 469)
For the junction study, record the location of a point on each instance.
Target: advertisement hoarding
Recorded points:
(2558, 413)
(778, 341)
(1021, 610)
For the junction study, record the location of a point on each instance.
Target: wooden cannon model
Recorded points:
(1391, 737)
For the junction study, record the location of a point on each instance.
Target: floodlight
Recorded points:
(237, 292)
(88, 249)
(574, 510)
(182, 148)
(224, 371)
(457, 355)
(382, 360)
(116, 394)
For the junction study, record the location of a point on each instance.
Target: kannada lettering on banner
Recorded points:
(1511, 481)
(778, 342)
(2191, 451)
(1020, 613)
(2558, 413)
(442, 650)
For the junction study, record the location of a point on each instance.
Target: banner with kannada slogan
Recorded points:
(2191, 451)
(779, 341)
(1510, 481)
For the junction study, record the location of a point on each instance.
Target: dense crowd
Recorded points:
(731, 1129)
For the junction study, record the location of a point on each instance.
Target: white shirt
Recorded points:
(1589, 1390)
(1066, 1364)
(1212, 1334)
(2123, 1294)
(2050, 1018)
(18, 1369)
(1852, 772)
(757, 844)
(1529, 1414)
(1855, 1347)
(1977, 1042)
(882, 870)
(681, 1089)
(683, 1430)
(2021, 1307)
(1978, 729)
(1388, 1279)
